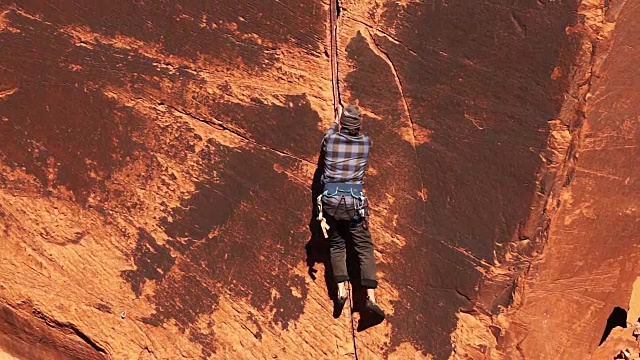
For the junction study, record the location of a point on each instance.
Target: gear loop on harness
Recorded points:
(323, 222)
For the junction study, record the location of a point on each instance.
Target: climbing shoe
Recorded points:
(371, 315)
(374, 310)
(338, 305)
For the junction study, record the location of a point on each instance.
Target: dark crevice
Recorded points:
(617, 318)
(337, 100)
(148, 351)
(465, 296)
(86, 339)
(72, 327)
(334, 14)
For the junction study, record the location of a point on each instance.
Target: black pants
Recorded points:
(342, 229)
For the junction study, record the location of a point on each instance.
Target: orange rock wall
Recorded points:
(158, 164)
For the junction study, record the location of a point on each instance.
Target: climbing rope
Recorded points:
(333, 18)
(337, 102)
(353, 327)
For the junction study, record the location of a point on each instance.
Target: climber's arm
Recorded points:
(335, 127)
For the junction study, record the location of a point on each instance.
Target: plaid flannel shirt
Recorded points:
(346, 156)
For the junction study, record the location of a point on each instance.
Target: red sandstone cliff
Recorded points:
(157, 162)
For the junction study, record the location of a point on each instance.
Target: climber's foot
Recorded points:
(338, 305)
(375, 310)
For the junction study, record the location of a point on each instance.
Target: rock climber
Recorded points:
(343, 203)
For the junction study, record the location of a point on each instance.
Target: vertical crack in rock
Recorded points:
(593, 30)
(385, 56)
(559, 161)
(251, 174)
(334, 14)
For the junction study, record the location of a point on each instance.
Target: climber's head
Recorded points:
(351, 119)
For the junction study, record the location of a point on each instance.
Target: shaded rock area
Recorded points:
(157, 163)
(475, 117)
(589, 267)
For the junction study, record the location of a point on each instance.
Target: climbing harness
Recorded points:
(360, 201)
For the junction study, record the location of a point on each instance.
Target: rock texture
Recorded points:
(588, 268)
(158, 164)
(475, 117)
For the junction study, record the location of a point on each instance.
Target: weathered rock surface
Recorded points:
(157, 162)
(588, 267)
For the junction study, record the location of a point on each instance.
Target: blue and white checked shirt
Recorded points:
(346, 156)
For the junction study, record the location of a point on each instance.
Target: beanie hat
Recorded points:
(350, 119)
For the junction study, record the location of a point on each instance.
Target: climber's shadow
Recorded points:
(317, 250)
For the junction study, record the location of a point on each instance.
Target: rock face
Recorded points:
(158, 164)
(587, 269)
